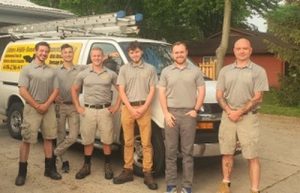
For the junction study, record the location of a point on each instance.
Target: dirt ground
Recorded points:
(279, 150)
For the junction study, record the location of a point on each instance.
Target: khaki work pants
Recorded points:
(144, 124)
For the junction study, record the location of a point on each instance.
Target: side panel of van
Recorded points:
(15, 56)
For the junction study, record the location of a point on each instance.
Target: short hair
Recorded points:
(37, 46)
(134, 45)
(64, 46)
(98, 49)
(244, 39)
(179, 43)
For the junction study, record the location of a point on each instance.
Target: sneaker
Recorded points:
(108, 171)
(224, 188)
(171, 189)
(149, 181)
(84, 171)
(125, 176)
(186, 190)
(65, 167)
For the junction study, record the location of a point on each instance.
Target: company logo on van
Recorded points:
(18, 55)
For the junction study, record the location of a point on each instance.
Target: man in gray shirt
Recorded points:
(65, 110)
(240, 89)
(181, 94)
(97, 113)
(39, 88)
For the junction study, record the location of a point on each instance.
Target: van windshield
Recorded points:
(159, 55)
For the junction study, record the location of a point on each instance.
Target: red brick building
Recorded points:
(205, 51)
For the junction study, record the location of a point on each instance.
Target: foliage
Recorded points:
(271, 105)
(47, 3)
(284, 24)
(195, 19)
(167, 20)
(289, 93)
(172, 19)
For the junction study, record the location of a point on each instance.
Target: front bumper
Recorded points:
(206, 139)
(206, 150)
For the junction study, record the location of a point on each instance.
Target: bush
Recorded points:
(289, 92)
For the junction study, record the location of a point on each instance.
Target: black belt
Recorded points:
(98, 106)
(67, 102)
(137, 103)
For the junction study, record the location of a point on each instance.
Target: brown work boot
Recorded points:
(125, 176)
(84, 171)
(224, 188)
(149, 181)
(108, 171)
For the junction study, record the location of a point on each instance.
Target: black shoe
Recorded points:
(84, 171)
(149, 181)
(50, 169)
(125, 176)
(108, 171)
(21, 178)
(65, 167)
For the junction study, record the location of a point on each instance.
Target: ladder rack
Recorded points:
(105, 24)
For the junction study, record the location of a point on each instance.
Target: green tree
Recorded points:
(284, 24)
(172, 19)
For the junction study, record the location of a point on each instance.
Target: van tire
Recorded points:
(14, 119)
(158, 153)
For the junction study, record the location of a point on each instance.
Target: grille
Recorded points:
(211, 108)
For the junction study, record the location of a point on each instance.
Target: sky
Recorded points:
(259, 22)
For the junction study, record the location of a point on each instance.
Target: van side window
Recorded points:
(112, 59)
(158, 55)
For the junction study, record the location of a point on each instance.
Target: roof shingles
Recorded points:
(24, 4)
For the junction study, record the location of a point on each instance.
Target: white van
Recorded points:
(19, 53)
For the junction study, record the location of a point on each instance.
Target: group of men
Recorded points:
(53, 94)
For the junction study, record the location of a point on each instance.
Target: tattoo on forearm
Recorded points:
(222, 103)
(250, 105)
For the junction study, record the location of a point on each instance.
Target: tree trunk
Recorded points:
(221, 50)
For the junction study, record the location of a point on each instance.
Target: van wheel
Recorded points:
(15, 117)
(158, 153)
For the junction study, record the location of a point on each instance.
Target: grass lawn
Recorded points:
(270, 106)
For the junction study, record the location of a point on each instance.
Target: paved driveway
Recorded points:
(280, 159)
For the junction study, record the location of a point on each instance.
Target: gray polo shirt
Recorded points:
(66, 78)
(40, 81)
(97, 87)
(137, 80)
(239, 84)
(181, 85)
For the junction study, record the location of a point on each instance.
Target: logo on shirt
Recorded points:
(104, 76)
(145, 74)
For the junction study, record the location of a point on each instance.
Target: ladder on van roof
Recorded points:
(116, 24)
